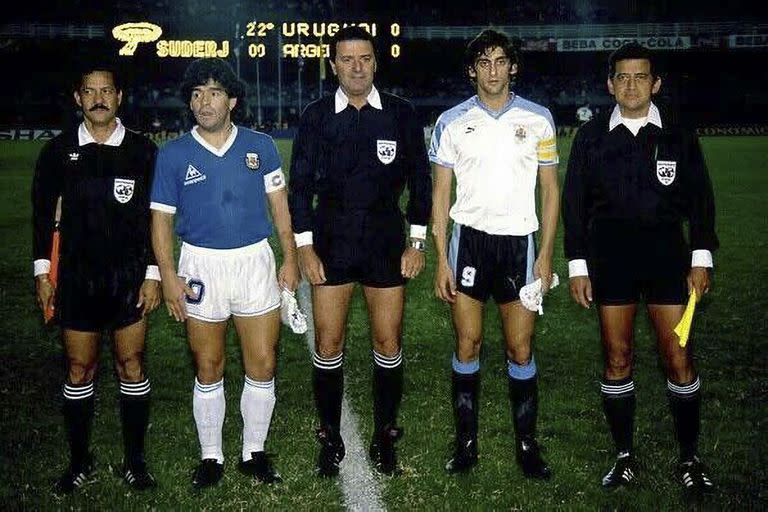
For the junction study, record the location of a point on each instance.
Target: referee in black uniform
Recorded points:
(355, 151)
(635, 175)
(108, 279)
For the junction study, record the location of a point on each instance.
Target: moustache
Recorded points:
(98, 107)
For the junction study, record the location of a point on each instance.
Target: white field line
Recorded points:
(358, 484)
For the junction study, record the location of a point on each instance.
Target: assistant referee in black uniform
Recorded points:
(355, 152)
(108, 279)
(635, 175)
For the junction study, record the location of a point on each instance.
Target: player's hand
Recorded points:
(45, 290)
(542, 269)
(288, 275)
(698, 279)
(310, 265)
(411, 263)
(445, 286)
(581, 290)
(149, 296)
(175, 293)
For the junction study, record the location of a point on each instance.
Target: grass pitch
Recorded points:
(730, 337)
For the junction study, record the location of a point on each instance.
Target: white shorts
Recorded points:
(240, 282)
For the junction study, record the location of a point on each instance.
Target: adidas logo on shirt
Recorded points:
(193, 176)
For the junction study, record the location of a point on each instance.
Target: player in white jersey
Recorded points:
(498, 146)
(218, 182)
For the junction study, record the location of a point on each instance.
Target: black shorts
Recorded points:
(91, 298)
(485, 264)
(628, 263)
(363, 248)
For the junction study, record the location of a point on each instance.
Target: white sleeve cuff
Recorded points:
(165, 208)
(153, 272)
(42, 267)
(303, 238)
(577, 268)
(701, 258)
(418, 231)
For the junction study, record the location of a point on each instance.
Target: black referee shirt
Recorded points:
(105, 215)
(656, 178)
(358, 161)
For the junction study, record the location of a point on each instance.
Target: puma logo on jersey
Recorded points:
(193, 176)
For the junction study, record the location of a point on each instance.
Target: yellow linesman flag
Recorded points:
(683, 329)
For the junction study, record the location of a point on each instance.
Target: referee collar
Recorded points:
(84, 136)
(373, 99)
(653, 117)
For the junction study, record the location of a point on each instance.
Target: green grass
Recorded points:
(730, 339)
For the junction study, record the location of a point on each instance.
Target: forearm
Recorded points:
(550, 211)
(282, 219)
(162, 242)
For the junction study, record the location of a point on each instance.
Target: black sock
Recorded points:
(134, 413)
(387, 389)
(328, 387)
(685, 402)
(619, 409)
(524, 397)
(465, 392)
(78, 417)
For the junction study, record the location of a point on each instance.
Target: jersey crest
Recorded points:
(666, 171)
(386, 150)
(252, 161)
(123, 190)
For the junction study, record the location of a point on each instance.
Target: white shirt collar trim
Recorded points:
(216, 151)
(653, 117)
(84, 136)
(341, 100)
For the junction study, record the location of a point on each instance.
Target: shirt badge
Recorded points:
(193, 176)
(386, 150)
(520, 134)
(73, 157)
(123, 190)
(666, 171)
(252, 161)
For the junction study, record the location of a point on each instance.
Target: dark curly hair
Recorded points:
(486, 40)
(201, 71)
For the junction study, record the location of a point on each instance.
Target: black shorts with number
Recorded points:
(361, 246)
(485, 264)
(629, 262)
(92, 296)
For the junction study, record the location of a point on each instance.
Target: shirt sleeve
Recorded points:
(701, 204)
(165, 185)
(419, 175)
(441, 151)
(46, 189)
(274, 179)
(302, 184)
(574, 201)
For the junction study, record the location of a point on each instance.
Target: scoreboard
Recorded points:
(255, 39)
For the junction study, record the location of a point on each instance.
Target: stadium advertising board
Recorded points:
(596, 44)
(748, 41)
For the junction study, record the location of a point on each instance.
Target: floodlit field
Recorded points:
(730, 338)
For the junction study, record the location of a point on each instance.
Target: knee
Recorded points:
(81, 371)
(618, 364)
(387, 346)
(680, 368)
(468, 348)
(327, 346)
(210, 369)
(129, 367)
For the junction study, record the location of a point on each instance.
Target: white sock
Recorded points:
(208, 407)
(256, 406)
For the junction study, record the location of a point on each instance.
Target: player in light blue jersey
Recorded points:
(218, 183)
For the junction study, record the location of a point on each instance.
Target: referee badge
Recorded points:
(386, 150)
(666, 171)
(123, 190)
(252, 161)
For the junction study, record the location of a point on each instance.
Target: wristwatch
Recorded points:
(419, 244)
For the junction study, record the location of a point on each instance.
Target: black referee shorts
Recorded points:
(362, 247)
(93, 298)
(485, 264)
(629, 263)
